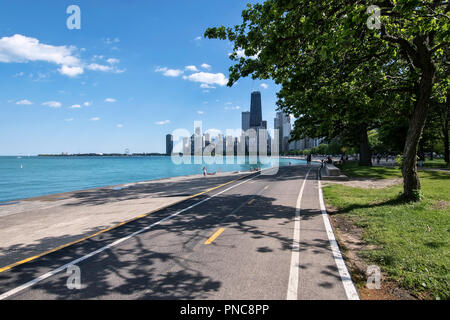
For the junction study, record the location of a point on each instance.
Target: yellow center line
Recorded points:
(8, 267)
(251, 201)
(266, 187)
(215, 235)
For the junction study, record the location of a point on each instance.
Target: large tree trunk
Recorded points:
(365, 158)
(446, 142)
(411, 182)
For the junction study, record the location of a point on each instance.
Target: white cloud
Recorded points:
(24, 102)
(159, 69)
(233, 108)
(21, 49)
(206, 86)
(198, 38)
(200, 112)
(99, 67)
(75, 106)
(241, 54)
(52, 104)
(110, 100)
(113, 61)
(264, 85)
(95, 119)
(208, 78)
(173, 73)
(191, 68)
(206, 66)
(161, 123)
(69, 120)
(169, 72)
(112, 41)
(119, 125)
(71, 71)
(87, 103)
(104, 68)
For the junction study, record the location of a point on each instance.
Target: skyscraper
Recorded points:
(283, 123)
(169, 144)
(245, 121)
(264, 124)
(255, 110)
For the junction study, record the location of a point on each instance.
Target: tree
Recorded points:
(309, 47)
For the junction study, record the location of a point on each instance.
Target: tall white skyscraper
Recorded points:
(282, 122)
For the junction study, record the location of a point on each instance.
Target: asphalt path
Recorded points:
(262, 237)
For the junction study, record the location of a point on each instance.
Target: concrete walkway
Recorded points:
(262, 237)
(35, 225)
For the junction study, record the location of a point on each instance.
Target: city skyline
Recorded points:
(115, 84)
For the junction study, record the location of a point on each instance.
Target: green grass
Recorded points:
(352, 169)
(415, 256)
(436, 163)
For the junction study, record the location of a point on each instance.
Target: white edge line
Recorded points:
(292, 291)
(115, 243)
(346, 279)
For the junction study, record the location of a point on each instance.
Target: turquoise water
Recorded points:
(27, 177)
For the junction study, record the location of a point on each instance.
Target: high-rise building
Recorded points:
(283, 123)
(255, 110)
(245, 121)
(207, 139)
(169, 144)
(264, 124)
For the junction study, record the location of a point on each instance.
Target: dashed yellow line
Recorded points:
(214, 236)
(15, 264)
(251, 201)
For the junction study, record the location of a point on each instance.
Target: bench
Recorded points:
(332, 170)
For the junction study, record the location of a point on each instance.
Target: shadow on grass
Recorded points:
(353, 169)
(397, 201)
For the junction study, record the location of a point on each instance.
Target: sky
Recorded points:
(134, 71)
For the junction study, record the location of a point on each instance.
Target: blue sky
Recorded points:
(135, 71)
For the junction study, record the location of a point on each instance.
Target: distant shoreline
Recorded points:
(105, 155)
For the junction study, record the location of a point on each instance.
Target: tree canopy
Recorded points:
(346, 67)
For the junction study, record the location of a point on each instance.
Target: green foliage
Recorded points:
(337, 75)
(411, 240)
(352, 169)
(399, 161)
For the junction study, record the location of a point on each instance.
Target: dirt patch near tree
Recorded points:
(365, 183)
(350, 240)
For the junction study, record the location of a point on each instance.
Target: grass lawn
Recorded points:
(435, 163)
(352, 169)
(412, 240)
